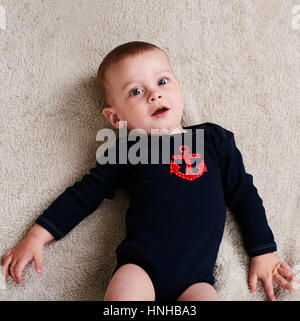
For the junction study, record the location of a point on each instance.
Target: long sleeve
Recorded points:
(242, 198)
(81, 199)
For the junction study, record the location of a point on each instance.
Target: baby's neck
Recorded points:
(177, 131)
(173, 131)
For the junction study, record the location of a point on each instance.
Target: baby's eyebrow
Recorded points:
(129, 82)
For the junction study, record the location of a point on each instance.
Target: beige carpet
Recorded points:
(238, 62)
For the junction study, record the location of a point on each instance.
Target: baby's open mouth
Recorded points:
(160, 111)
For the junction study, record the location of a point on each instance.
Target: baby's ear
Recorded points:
(111, 116)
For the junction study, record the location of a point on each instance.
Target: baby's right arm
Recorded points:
(29, 249)
(64, 213)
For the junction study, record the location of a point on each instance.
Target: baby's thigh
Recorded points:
(201, 291)
(130, 283)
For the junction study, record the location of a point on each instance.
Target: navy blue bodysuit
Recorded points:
(174, 225)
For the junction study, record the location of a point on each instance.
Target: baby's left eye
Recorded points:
(163, 79)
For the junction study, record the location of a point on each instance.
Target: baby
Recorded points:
(175, 221)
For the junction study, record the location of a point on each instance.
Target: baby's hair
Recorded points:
(129, 49)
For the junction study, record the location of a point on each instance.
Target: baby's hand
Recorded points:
(268, 268)
(29, 249)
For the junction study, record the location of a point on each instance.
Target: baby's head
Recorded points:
(135, 79)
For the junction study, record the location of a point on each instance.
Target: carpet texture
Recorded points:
(238, 62)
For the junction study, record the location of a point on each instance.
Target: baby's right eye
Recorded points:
(134, 90)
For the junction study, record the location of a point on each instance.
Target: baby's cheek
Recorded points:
(178, 100)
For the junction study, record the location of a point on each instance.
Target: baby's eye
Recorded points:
(164, 78)
(136, 89)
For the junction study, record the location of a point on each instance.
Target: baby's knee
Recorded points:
(130, 283)
(201, 291)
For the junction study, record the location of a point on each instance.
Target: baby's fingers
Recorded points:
(286, 273)
(6, 263)
(7, 253)
(283, 282)
(269, 287)
(18, 270)
(285, 266)
(12, 269)
(253, 282)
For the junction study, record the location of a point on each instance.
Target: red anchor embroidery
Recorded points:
(189, 174)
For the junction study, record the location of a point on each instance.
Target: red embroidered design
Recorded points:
(189, 174)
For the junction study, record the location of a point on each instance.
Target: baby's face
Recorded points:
(137, 86)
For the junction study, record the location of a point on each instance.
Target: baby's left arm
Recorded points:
(268, 268)
(242, 198)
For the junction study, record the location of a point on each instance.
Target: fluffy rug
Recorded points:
(238, 62)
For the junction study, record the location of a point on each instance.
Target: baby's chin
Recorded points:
(154, 128)
(157, 130)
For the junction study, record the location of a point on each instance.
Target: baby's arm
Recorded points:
(268, 268)
(70, 207)
(29, 249)
(81, 199)
(40, 233)
(242, 198)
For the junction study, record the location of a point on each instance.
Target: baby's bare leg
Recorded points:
(201, 291)
(130, 283)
